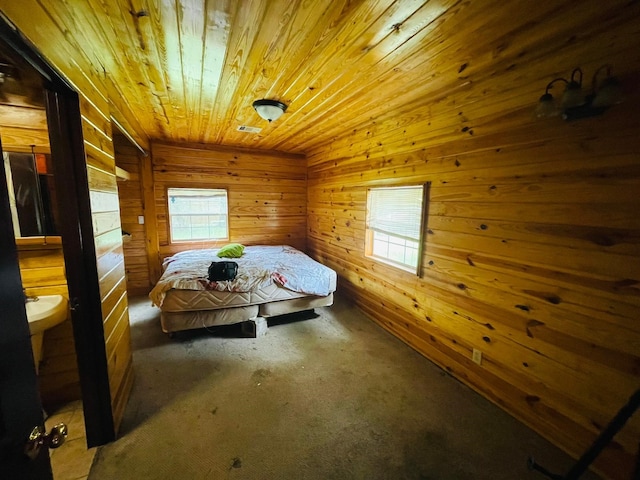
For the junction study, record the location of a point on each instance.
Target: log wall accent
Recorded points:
(42, 271)
(532, 251)
(266, 192)
(74, 58)
(131, 207)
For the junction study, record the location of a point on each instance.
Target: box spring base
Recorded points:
(189, 320)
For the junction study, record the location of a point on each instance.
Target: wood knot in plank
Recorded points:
(533, 324)
(554, 299)
(532, 399)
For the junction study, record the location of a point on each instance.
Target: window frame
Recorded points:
(369, 233)
(212, 241)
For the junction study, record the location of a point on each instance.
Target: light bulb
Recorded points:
(546, 107)
(609, 94)
(572, 96)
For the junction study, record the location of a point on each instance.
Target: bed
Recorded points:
(271, 281)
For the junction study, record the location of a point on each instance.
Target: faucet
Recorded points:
(28, 298)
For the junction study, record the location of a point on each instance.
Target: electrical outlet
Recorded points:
(477, 356)
(141, 219)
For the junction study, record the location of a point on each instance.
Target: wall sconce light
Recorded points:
(575, 103)
(269, 109)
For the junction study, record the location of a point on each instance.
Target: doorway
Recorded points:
(31, 93)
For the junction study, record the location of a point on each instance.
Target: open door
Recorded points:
(20, 408)
(72, 185)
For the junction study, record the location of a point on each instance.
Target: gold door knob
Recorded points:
(39, 437)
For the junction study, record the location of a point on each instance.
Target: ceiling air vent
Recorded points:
(246, 128)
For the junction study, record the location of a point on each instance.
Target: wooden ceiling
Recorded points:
(190, 69)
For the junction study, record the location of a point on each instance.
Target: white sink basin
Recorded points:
(46, 312)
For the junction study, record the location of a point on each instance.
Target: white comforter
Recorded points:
(258, 267)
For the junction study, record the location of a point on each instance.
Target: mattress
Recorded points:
(259, 268)
(271, 280)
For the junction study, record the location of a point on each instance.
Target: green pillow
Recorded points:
(232, 250)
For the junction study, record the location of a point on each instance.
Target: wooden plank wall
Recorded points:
(532, 252)
(47, 28)
(107, 232)
(22, 127)
(131, 207)
(266, 192)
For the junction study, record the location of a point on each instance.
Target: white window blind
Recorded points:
(394, 225)
(396, 211)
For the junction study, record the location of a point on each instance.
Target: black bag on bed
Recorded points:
(223, 270)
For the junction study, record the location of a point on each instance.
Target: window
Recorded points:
(394, 225)
(198, 214)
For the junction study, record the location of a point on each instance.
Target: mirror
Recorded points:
(25, 144)
(31, 193)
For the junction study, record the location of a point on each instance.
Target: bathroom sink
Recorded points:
(45, 312)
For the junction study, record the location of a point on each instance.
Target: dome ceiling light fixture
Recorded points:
(269, 109)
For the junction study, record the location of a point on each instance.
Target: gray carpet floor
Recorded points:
(332, 397)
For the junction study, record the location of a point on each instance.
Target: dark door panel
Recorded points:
(20, 407)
